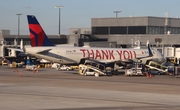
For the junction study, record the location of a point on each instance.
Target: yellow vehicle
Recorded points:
(5, 62)
(172, 60)
(74, 67)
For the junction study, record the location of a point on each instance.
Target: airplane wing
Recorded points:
(38, 52)
(43, 51)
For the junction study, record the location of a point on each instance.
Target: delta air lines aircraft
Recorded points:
(44, 49)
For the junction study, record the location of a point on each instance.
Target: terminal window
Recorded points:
(137, 30)
(100, 30)
(118, 30)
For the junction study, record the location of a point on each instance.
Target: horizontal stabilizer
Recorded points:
(19, 50)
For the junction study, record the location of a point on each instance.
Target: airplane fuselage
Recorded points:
(73, 55)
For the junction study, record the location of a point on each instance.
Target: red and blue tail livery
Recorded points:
(37, 34)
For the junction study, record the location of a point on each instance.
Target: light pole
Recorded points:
(18, 14)
(117, 13)
(59, 18)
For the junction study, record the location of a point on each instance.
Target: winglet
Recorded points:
(149, 51)
(37, 34)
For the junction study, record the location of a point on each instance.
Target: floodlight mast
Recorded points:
(18, 14)
(59, 7)
(117, 13)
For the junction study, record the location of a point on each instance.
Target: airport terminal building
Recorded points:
(124, 30)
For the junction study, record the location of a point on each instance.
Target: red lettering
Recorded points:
(83, 50)
(104, 54)
(90, 54)
(130, 54)
(126, 56)
(120, 53)
(98, 54)
(111, 55)
(134, 54)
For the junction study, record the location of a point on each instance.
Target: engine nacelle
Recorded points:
(139, 61)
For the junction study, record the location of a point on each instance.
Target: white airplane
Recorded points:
(44, 49)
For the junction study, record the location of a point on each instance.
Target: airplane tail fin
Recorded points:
(150, 51)
(37, 34)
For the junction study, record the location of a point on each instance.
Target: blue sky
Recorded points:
(77, 13)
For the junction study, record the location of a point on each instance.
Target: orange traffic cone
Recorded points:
(147, 76)
(20, 74)
(36, 70)
(150, 76)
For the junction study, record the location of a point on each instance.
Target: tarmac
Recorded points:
(50, 89)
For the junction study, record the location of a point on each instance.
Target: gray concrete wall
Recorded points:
(157, 21)
(101, 44)
(125, 21)
(152, 21)
(127, 39)
(73, 39)
(4, 32)
(134, 21)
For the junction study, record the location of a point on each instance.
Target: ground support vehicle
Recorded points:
(64, 68)
(16, 65)
(74, 67)
(55, 65)
(90, 70)
(156, 72)
(133, 72)
(31, 68)
(136, 70)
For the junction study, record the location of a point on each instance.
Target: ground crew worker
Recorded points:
(35, 69)
(149, 73)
